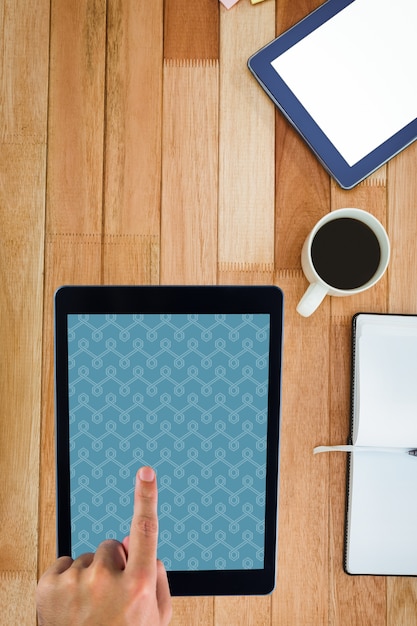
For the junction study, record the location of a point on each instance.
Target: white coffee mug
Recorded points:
(338, 240)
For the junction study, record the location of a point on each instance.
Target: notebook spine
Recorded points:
(350, 437)
(353, 376)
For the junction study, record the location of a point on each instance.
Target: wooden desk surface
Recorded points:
(136, 148)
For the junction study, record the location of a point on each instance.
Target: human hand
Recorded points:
(122, 584)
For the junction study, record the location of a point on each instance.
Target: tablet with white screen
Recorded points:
(344, 77)
(187, 380)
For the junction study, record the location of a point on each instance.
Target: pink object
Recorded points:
(229, 3)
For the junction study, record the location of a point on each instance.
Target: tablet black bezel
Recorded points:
(150, 299)
(260, 65)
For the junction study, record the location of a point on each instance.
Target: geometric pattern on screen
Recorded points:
(188, 395)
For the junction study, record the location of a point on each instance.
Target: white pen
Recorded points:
(351, 448)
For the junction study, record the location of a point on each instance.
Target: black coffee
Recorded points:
(345, 253)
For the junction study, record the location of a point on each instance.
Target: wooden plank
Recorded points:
(131, 260)
(349, 595)
(402, 190)
(191, 30)
(289, 12)
(17, 594)
(401, 601)
(301, 596)
(74, 198)
(242, 274)
(302, 194)
(23, 71)
(243, 611)
(69, 259)
(76, 116)
(132, 175)
(246, 142)
(192, 611)
(21, 267)
(133, 117)
(190, 173)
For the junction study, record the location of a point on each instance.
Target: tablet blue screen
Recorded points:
(188, 395)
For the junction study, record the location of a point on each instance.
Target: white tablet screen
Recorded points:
(355, 74)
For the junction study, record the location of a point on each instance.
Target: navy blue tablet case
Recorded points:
(260, 64)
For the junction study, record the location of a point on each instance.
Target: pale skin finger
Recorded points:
(141, 545)
(61, 565)
(162, 591)
(111, 554)
(143, 537)
(122, 583)
(84, 560)
(162, 585)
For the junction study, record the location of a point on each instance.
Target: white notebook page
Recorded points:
(386, 381)
(382, 514)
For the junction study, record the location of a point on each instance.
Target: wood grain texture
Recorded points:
(133, 118)
(17, 594)
(74, 195)
(132, 163)
(241, 611)
(69, 259)
(190, 173)
(402, 195)
(401, 601)
(21, 266)
(349, 595)
(301, 596)
(76, 116)
(23, 71)
(246, 141)
(23, 134)
(136, 148)
(191, 30)
(302, 195)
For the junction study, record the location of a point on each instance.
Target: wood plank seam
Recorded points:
(240, 266)
(289, 273)
(23, 139)
(10, 575)
(191, 62)
(373, 182)
(120, 238)
(74, 237)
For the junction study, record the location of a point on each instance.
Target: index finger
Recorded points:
(143, 538)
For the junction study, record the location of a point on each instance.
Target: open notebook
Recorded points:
(381, 524)
(381, 512)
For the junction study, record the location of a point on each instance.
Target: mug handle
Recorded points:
(312, 298)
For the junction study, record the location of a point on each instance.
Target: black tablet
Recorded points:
(187, 380)
(345, 78)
